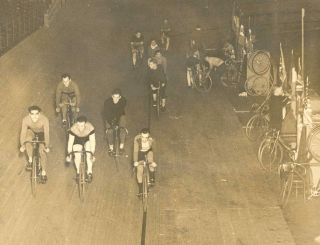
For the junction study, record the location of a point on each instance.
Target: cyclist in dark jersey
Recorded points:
(137, 43)
(82, 134)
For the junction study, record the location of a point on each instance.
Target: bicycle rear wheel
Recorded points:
(270, 155)
(34, 176)
(203, 83)
(81, 182)
(256, 127)
(286, 188)
(313, 143)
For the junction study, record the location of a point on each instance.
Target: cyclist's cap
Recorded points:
(34, 108)
(82, 119)
(65, 75)
(116, 91)
(145, 131)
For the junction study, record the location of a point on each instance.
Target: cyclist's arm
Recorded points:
(23, 133)
(92, 140)
(70, 142)
(135, 149)
(77, 92)
(58, 94)
(46, 131)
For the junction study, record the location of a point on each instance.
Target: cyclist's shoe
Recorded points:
(163, 108)
(154, 103)
(29, 166)
(44, 179)
(64, 123)
(121, 151)
(89, 178)
(77, 177)
(111, 153)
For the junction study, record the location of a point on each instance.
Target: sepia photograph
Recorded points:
(160, 122)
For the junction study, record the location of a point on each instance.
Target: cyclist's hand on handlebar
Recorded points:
(58, 109)
(77, 109)
(68, 158)
(153, 87)
(46, 149)
(163, 84)
(61, 104)
(136, 164)
(22, 148)
(93, 159)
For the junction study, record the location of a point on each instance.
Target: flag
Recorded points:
(283, 72)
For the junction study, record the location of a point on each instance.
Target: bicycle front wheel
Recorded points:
(34, 177)
(256, 127)
(270, 155)
(81, 182)
(203, 83)
(145, 192)
(286, 187)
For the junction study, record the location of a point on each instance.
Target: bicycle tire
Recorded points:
(256, 127)
(259, 62)
(34, 176)
(204, 84)
(286, 189)
(313, 142)
(145, 191)
(158, 104)
(81, 182)
(270, 156)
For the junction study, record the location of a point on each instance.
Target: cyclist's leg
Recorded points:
(89, 161)
(73, 109)
(141, 51)
(154, 97)
(152, 166)
(43, 157)
(167, 36)
(134, 56)
(29, 148)
(109, 134)
(77, 156)
(189, 77)
(163, 97)
(140, 171)
(122, 124)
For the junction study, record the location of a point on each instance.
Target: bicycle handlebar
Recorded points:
(34, 142)
(72, 152)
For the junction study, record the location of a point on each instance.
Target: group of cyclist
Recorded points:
(81, 135)
(156, 76)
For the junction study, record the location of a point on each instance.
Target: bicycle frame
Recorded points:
(145, 182)
(82, 168)
(116, 136)
(36, 165)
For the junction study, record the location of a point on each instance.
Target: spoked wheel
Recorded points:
(203, 83)
(270, 155)
(286, 187)
(158, 105)
(82, 182)
(145, 192)
(256, 127)
(314, 143)
(34, 176)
